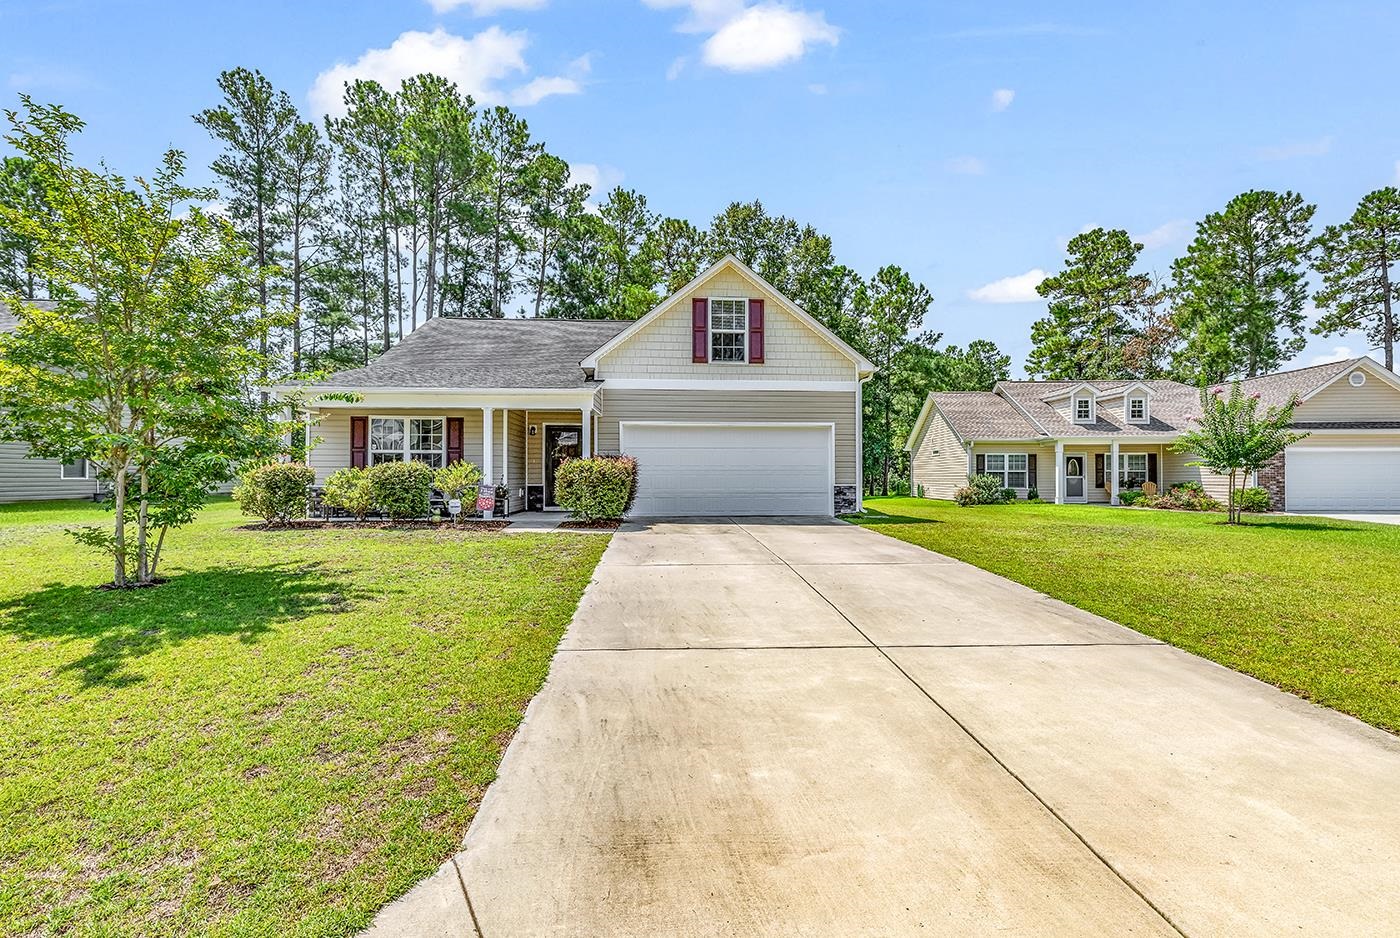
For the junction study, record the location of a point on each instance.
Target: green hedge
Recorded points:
(276, 492)
(402, 490)
(601, 487)
(349, 489)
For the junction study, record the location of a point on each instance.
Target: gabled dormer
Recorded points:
(1137, 403)
(1083, 403)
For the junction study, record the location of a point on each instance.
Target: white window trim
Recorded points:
(710, 329)
(1083, 497)
(1146, 409)
(1030, 483)
(1074, 409)
(86, 476)
(1122, 468)
(406, 452)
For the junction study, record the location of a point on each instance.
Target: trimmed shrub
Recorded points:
(1032, 494)
(276, 492)
(984, 490)
(457, 479)
(402, 490)
(1185, 496)
(597, 488)
(1253, 498)
(1131, 496)
(350, 490)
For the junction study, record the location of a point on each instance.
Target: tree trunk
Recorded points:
(1231, 515)
(384, 247)
(155, 558)
(142, 573)
(1387, 327)
(544, 267)
(296, 297)
(119, 547)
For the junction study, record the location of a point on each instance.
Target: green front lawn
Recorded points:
(292, 731)
(1308, 604)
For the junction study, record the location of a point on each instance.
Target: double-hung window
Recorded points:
(1009, 467)
(400, 439)
(1137, 409)
(1083, 410)
(1132, 470)
(729, 330)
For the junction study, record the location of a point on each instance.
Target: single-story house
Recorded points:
(24, 478)
(733, 400)
(1085, 441)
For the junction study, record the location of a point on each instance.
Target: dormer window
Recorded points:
(1137, 410)
(1083, 409)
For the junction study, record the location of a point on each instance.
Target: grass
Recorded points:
(1310, 605)
(292, 731)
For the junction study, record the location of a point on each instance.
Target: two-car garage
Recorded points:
(1330, 477)
(701, 468)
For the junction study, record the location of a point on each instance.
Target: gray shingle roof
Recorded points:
(1274, 390)
(1171, 406)
(485, 353)
(982, 415)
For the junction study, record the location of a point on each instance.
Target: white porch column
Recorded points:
(1113, 473)
(586, 427)
(1059, 472)
(306, 450)
(488, 471)
(971, 462)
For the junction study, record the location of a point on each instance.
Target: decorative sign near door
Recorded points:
(485, 497)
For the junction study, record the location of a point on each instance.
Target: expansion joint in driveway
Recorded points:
(978, 741)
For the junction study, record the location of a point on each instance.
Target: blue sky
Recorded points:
(964, 141)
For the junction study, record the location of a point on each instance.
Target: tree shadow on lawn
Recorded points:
(125, 625)
(874, 518)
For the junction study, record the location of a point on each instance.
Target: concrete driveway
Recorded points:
(806, 728)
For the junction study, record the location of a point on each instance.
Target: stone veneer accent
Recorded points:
(1271, 480)
(845, 499)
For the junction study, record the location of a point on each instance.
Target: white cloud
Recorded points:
(600, 178)
(751, 38)
(1165, 234)
(1002, 98)
(673, 71)
(1339, 353)
(1292, 151)
(485, 7)
(1017, 289)
(477, 65)
(965, 166)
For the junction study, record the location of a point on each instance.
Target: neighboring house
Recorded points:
(1064, 438)
(732, 399)
(23, 478)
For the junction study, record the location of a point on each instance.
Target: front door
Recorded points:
(1074, 478)
(560, 443)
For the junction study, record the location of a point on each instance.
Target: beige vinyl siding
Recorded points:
(837, 407)
(23, 479)
(791, 349)
(938, 461)
(1044, 462)
(333, 452)
(1374, 400)
(1174, 469)
(534, 447)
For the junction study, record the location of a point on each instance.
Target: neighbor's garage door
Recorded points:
(1342, 479)
(695, 469)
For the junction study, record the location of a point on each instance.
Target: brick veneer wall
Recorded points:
(1271, 480)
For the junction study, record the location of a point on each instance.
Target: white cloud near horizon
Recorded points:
(751, 38)
(485, 7)
(1165, 234)
(1019, 288)
(600, 178)
(1002, 98)
(477, 66)
(1292, 151)
(1339, 353)
(965, 166)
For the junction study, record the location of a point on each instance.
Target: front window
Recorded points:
(1137, 408)
(729, 328)
(1132, 470)
(74, 470)
(398, 439)
(1083, 410)
(1009, 467)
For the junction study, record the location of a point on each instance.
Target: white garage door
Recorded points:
(703, 469)
(1320, 478)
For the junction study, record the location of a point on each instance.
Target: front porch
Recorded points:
(516, 441)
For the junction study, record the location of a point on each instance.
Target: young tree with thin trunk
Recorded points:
(1240, 290)
(510, 159)
(1355, 260)
(252, 123)
(552, 202)
(144, 364)
(304, 213)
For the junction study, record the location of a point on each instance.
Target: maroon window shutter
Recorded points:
(755, 332)
(1030, 470)
(699, 329)
(359, 442)
(1152, 468)
(1098, 470)
(454, 440)
(981, 465)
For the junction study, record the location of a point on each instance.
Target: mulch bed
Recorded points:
(599, 524)
(312, 524)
